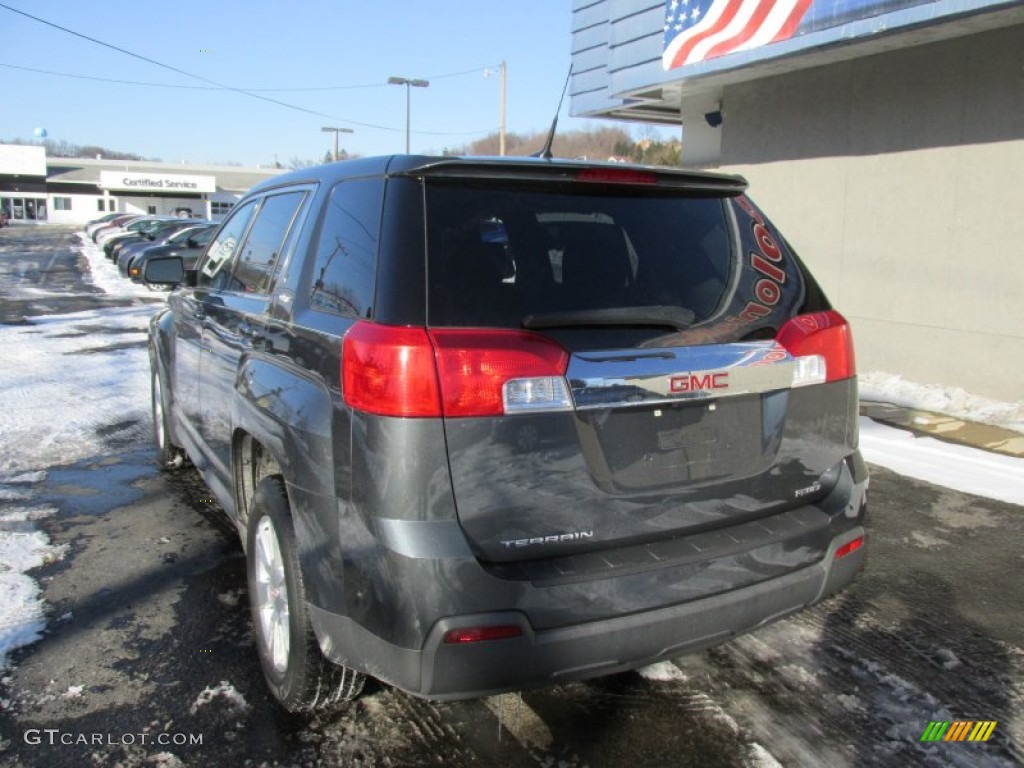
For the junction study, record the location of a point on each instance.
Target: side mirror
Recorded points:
(165, 270)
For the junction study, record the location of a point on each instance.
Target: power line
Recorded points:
(222, 88)
(165, 66)
(222, 85)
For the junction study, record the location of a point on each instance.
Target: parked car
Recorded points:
(640, 443)
(122, 251)
(136, 228)
(94, 224)
(187, 244)
(162, 236)
(113, 225)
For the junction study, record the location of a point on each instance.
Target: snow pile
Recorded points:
(21, 607)
(225, 691)
(663, 672)
(104, 275)
(877, 386)
(965, 469)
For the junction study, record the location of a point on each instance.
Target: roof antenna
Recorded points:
(545, 151)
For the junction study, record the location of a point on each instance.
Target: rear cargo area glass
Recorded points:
(499, 253)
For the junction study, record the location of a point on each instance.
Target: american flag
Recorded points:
(696, 30)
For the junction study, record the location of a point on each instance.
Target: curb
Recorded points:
(949, 428)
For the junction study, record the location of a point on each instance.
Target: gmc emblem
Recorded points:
(692, 382)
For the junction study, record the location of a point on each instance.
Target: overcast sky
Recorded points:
(348, 46)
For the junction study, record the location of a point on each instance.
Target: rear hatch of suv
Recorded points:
(626, 360)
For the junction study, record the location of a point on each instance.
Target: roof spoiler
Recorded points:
(537, 169)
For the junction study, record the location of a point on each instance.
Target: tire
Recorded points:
(168, 455)
(298, 675)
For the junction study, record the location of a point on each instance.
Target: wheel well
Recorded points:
(253, 462)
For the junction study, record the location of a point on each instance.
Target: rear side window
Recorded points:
(346, 259)
(254, 269)
(496, 255)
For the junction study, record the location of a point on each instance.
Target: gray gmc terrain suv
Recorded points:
(485, 424)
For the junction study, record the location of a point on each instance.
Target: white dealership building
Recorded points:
(36, 189)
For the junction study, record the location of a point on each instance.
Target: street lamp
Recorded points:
(407, 82)
(336, 131)
(501, 112)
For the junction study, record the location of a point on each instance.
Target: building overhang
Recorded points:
(633, 85)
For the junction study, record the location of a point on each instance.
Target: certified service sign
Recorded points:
(156, 182)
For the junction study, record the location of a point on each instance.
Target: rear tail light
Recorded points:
(390, 371)
(821, 345)
(485, 373)
(400, 371)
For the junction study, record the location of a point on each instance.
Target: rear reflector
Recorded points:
(822, 346)
(413, 372)
(849, 547)
(481, 634)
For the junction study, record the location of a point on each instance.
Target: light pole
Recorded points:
(501, 111)
(407, 83)
(336, 131)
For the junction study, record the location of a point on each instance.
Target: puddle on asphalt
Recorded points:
(97, 485)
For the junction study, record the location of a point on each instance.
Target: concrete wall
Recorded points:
(899, 178)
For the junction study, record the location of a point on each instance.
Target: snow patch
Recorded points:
(23, 514)
(926, 541)
(883, 387)
(850, 703)
(103, 272)
(26, 477)
(223, 691)
(164, 760)
(21, 606)
(58, 398)
(948, 658)
(664, 672)
(759, 757)
(959, 467)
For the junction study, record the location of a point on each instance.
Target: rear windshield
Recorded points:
(498, 254)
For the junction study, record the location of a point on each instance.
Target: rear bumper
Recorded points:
(590, 649)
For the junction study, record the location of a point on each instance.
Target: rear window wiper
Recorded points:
(672, 317)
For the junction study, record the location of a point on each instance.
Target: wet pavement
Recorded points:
(150, 647)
